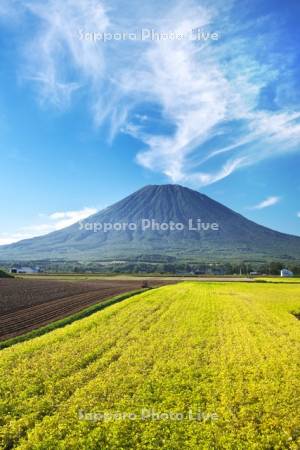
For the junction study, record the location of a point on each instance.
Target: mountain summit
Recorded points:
(161, 220)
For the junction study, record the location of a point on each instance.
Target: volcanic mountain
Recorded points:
(221, 235)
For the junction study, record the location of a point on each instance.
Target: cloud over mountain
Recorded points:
(209, 108)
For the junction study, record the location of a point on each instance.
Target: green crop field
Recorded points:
(189, 366)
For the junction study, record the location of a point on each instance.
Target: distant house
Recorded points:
(286, 273)
(24, 270)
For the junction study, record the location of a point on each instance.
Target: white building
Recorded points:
(286, 273)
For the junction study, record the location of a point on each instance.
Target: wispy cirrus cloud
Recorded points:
(270, 201)
(47, 224)
(211, 119)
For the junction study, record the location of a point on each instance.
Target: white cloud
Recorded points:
(55, 221)
(270, 201)
(65, 219)
(298, 215)
(6, 238)
(198, 87)
(58, 41)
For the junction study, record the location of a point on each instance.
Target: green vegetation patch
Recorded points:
(4, 274)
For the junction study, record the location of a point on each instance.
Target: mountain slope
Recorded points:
(236, 238)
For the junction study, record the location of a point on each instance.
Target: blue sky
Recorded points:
(84, 123)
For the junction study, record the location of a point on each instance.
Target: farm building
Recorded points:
(24, 270)
(286, 273)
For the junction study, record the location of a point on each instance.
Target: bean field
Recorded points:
(188, 366)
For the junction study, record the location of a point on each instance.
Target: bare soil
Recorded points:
(29, 304)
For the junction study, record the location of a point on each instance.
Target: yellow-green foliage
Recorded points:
(279, 279)
(230, 351)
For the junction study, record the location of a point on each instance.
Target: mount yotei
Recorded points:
(161, 220)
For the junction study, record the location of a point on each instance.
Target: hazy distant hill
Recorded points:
(237, 238)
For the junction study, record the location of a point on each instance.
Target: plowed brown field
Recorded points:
(29, 304)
